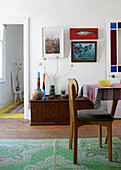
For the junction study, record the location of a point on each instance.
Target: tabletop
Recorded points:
(96, 93)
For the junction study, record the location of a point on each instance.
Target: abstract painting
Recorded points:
(83, 51)
(52, 42)
(83, 33)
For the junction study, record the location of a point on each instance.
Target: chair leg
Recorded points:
(15, 97)
(75, 130)
(70, 135)
(100, 136)
(20, 95)
(109, 136)
(105, 142)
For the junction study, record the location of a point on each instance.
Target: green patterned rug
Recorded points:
(54, 154)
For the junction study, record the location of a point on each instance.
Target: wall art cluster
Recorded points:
(83, 51)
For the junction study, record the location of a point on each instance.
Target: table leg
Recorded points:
(113, 109)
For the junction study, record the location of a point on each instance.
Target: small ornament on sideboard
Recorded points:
(43, 76)
(38, 94)
(51, 90)
(63, 95)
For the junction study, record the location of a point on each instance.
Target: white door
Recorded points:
(114, 57)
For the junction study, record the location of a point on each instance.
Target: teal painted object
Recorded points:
(65, 96)
(44, 94)
(38, 74)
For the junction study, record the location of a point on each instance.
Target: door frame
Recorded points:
(109, 73)
(108, 53)
(25, 22)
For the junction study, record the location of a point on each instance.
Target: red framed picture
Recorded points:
(83, 33)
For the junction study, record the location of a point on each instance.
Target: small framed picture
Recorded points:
(53, 42)
(83, 33)
(83, 51)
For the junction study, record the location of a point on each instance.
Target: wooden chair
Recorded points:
(14, 89)
(83, 117)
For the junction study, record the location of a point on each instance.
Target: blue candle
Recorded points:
(38, 74)
(44, 94)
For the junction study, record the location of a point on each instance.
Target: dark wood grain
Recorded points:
(55, 111)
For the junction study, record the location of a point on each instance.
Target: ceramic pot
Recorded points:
(17, 88)
(63, 92)
(52, 90)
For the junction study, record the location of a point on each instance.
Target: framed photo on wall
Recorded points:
(83, 51)
(83, 33)
(53, 44)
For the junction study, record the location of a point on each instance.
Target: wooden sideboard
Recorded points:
(55, 111)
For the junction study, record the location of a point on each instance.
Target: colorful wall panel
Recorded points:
(115, 42)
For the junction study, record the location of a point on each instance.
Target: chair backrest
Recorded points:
(13, 84)
(73, 92)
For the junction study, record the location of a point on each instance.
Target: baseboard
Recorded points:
(6, 103)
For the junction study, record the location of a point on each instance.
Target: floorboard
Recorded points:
(21, 129)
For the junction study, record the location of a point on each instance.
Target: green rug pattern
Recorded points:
(54, 154)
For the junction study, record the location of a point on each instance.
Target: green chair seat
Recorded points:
(93, 115)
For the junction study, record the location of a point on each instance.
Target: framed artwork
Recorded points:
(83, 33)
(83, 51)
(52, 42)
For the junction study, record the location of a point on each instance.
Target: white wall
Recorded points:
(65, 13)
(13, 54)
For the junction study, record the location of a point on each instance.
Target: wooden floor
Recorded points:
(21, 129)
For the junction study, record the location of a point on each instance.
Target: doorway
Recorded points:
(24, 22)
(13, 55)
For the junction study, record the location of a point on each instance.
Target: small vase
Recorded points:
(52, 90)
(17, 88)
(63, 95)
(63, 92)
